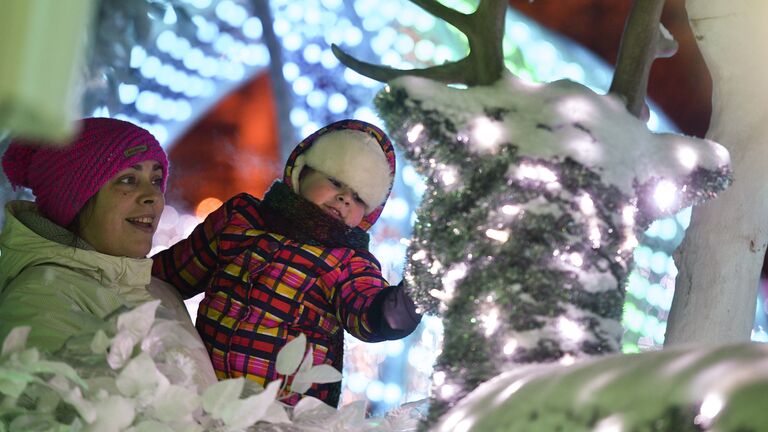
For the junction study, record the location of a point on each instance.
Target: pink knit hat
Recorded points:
(63, 179)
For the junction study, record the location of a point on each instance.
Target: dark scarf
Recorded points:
(291, 215)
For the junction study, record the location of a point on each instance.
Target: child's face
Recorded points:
(334, 197)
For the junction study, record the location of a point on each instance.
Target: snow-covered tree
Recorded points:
(535, 196)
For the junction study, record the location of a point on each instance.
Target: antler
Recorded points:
(483, 65)
(641, 43)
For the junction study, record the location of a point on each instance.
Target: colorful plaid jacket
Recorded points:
(273, 269)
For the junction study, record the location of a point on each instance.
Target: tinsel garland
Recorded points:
(523, 253)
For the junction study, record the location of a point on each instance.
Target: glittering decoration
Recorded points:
(691, 390)
(535, 197)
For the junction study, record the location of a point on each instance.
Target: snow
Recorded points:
(626, 392)
(566, 119)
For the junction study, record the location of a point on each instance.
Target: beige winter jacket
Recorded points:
(55, 283)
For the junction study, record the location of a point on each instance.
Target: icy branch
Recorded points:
(642, 42)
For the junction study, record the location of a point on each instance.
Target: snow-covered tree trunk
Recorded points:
(723, 251)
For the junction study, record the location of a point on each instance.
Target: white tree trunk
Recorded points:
(721, 256)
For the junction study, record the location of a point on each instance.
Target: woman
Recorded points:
(78, 253)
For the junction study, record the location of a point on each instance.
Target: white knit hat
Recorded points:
(354, 158)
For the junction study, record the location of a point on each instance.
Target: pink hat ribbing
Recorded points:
(63, 179)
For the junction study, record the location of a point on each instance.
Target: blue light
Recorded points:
(395, 208)
(166, 41)
(316, 98)
(179, 82)
(193, 59)
(394, 347)
(291, 71)
(206, 31)
(255, 55)
(150, 67)
(659, 262)
(127, 93)
(147, 102)
(209, 67)
(312, 53)
(353, 36)
(194, 87)
(424, 22)
(392, 393)
(138, 55)
(183, 110)
(332, 4)
(642, 255)
(170, 16)
(200, 4)
(166, 109)
(298, 117)
(281, 27)
(328, 60)
(668, 229)
(294, 12)
(302, 86)
(638, 285)
(404, 44)
(425, 50)
(351, 76)
(234, 71)
(375, 391)
(337, 103)
(181, 49)
(165, 75)
(357, 382)
(410, 176)
(366, 114)
(308, 128)
(684, 217)
(391, 58)
(292, 41)
(223, 43)
(252, 28)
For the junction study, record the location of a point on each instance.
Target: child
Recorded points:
(296, 261)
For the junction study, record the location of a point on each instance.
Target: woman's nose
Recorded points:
(345, 197)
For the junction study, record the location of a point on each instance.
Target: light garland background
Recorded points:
(176, 59)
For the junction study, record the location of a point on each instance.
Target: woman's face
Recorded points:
(123, 216)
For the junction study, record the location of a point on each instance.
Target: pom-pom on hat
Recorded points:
(63, 179)
(354, 152)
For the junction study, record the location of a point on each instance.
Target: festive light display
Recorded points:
(176, 58)
(526, 249)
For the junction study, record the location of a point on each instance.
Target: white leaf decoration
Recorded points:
(138, 321)
(16, 340)
(243, 413)
(174, 401)
(151, 426)
(320, 374)
(114, 414)
(289, 357)
(276, 414)
(100, 342)
(308, 404)
(140, 378)
(218, 396)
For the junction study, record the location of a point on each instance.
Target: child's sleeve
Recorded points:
(189, 264)
(371, 309)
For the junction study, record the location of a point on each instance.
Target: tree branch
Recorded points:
(641, 43)
(484, 64)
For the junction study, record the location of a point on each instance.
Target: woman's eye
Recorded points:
(334, 182)
(358, 199)
(127, 180)
(157, 181)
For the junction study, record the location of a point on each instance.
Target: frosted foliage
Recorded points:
(691, 389)
(535, 197)
(141, 378)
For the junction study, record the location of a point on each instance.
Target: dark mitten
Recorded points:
(394, 314)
